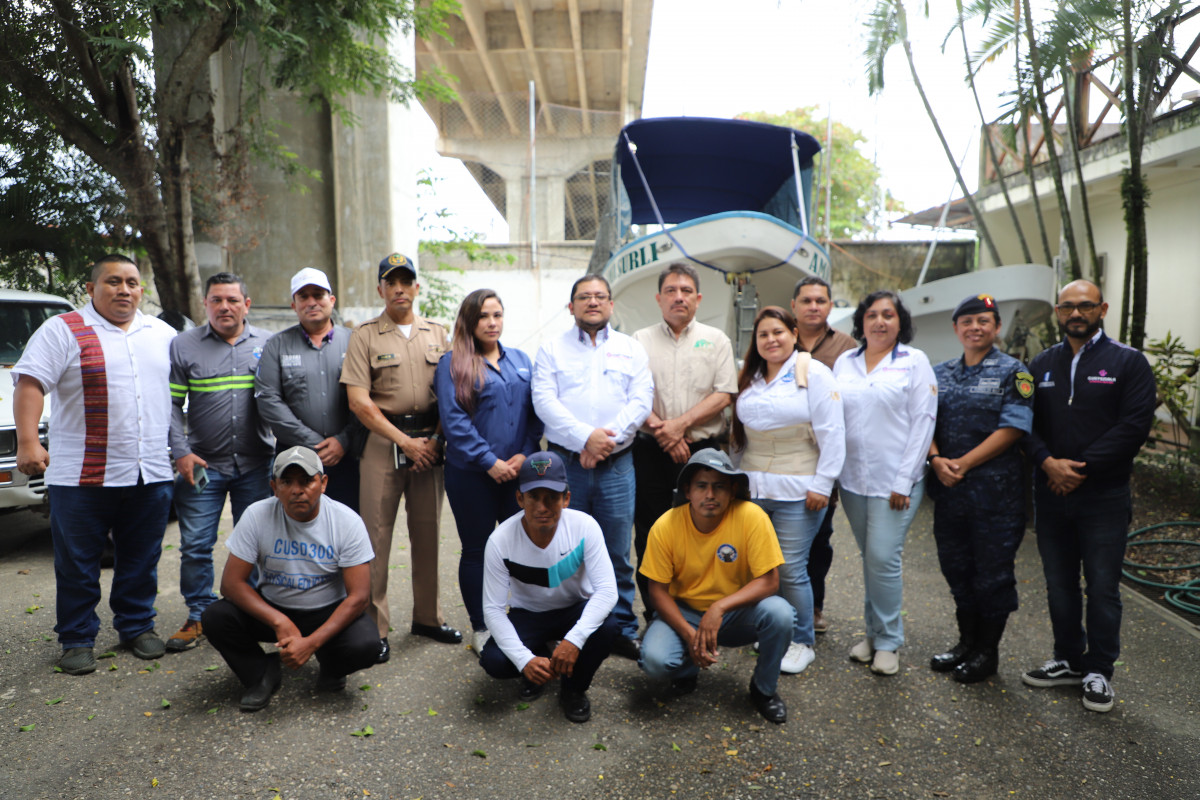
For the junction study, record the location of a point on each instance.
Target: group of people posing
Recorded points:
(318, 432)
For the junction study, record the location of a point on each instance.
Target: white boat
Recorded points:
(1024, 294)
(727, 196)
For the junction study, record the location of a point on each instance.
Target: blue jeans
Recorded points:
(80, 519)
(769, 622)
(198, 518)
(537, 629)
(479, 504)
(880, 533)
(795, 527)
(607, 494)
(1088, 529)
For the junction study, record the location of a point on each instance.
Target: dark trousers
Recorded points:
(537, 629)
(1086, 529)
(657, 475)
(80, 519)
(479, 504)
(820, 555)
(977, 540)
(236, 634)
(343, 482)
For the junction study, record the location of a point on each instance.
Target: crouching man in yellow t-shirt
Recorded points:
(713, 571)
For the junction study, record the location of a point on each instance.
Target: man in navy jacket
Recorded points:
(1093, 408)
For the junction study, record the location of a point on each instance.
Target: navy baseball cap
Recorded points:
(543, 471)
(394, 262)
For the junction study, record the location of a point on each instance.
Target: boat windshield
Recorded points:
(18, 321)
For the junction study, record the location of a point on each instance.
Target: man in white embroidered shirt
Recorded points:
(550, 566)
(592, 387)
(106, 370)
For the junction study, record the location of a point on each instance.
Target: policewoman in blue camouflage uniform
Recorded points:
(985, 407)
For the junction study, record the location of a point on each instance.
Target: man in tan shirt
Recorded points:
(811, 303)
(388, 373)
(694, 381)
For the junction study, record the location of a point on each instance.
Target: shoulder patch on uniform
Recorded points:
(1024, 383)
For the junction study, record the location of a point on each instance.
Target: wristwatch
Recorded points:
(929, 460)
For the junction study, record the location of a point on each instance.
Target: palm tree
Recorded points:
(987, 138)
(888, 25)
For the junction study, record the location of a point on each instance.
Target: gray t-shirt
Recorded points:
(300, 563)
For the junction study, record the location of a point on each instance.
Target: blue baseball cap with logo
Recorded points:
(543, 471)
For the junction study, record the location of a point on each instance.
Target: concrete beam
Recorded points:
(473, 15)
(524, 14)
(580, 72)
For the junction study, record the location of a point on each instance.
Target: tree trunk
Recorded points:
(175, 179)
(1055, 168)
(1134, 192)
(980, 226)
(1027, 163)
(1073, 129)
(987, 138)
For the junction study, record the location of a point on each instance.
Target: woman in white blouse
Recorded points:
(789, 439)
(889, 394)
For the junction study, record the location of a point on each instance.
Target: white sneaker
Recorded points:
(478, 640)
(886, 662)
(797, 658)
(862, 652)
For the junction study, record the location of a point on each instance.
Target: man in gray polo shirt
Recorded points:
(299, 390)
(224, 447)
(312, 555)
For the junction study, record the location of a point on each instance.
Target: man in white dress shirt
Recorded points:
(106, 369)
(593, 389)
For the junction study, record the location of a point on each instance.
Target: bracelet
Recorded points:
(929, 460)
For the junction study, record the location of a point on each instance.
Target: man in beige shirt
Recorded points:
(694, 381)
(811, 303)
(388, 373)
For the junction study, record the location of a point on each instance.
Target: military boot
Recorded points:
(984, 660)
(947, 661)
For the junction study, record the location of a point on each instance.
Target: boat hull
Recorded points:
(1024, 294)
(769, 253)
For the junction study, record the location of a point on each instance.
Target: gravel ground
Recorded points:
(442, 729)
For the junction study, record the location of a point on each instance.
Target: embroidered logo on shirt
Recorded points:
(1024, 384)
(727, 553)
(289, 360)
(1102, 377)
(702, 343)
(257, 352)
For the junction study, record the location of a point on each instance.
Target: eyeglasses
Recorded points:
(1070, 308)
(599, 297)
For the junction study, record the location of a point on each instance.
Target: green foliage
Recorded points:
(1175, 368)
(856, 205)
(440, 297)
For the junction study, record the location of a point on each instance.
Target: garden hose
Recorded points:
(1185, 596)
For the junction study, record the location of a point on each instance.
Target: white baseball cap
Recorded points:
(310, 277)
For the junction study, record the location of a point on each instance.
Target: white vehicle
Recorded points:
(21, 313)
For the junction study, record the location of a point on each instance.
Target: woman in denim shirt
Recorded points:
(483, 392)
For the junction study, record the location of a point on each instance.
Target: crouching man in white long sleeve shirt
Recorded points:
(550, 566)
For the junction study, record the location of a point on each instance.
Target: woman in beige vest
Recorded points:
(790, 439)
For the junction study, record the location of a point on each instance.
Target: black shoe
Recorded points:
(627, 648)
(683, 686)
(530, 691)
(330, 683)
(258, 696)
(977, 666)
(575, 705)
(772, 708)
(439, 633)
(385, 651)
(78, 661)
(947, 661)
(984, 660)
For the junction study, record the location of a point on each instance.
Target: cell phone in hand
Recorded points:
(199, 478)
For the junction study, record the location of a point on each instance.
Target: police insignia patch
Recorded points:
(540, 466)
(397, 260)
(1024, 384)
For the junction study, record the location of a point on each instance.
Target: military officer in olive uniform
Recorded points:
(985, 406)
(388, 373)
